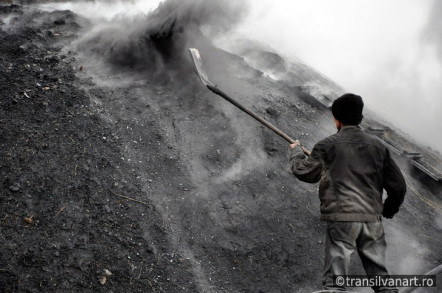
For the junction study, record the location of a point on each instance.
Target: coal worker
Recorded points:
(353, 168)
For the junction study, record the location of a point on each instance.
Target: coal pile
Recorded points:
(64, 220)
(121, 172)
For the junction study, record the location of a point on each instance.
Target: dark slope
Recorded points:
(217, 209)
(62, 220)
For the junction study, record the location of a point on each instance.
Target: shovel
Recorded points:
(199, 69)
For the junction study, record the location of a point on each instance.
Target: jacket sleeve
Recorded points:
(395, 186)
(307, 169)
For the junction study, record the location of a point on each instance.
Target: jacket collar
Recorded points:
(349, 127)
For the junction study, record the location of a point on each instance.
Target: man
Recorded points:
(353, 169)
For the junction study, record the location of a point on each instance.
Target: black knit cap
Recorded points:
(348, 109)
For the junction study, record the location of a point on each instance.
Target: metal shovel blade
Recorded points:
(199, 68)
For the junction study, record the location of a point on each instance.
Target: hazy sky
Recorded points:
(388, 51)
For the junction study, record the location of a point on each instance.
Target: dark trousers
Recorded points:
(343, 238)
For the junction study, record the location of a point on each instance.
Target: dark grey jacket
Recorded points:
(354, 168)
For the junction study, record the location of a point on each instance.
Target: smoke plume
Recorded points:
(157, 43)
(389, 53)
(433, 29)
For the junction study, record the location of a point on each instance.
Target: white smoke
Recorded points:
(389, 52)
(105, 10)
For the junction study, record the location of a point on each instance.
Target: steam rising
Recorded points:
(433, 29)
(387, 51)
(99, 11)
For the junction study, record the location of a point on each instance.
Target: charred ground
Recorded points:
(62, 221)
(110, 184)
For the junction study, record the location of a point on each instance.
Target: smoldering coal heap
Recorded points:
(121, 172)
